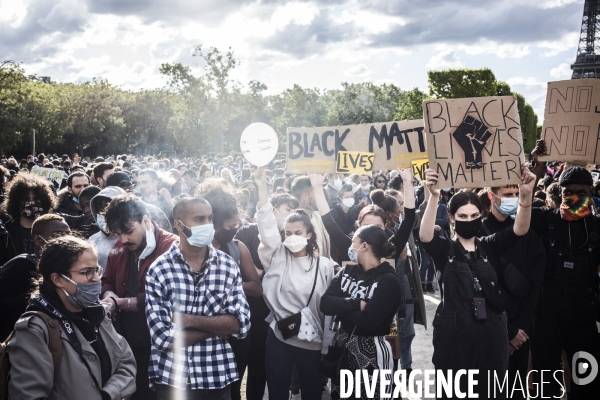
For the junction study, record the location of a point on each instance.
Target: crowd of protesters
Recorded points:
(165, 278)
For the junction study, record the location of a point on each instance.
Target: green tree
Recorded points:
(410, 105)
(361, 103)
(462, 83)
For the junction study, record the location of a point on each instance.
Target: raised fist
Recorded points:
(472, 136)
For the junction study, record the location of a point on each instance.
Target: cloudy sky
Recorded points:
(318, 43)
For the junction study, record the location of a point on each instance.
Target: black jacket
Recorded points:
(529, 258)
(16, 284)
(379, 287)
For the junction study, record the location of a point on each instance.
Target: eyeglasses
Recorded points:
(91, 272)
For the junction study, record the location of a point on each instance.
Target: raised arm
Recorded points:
(316, 180)
(260, 177)
(409, 193)
(428, 221)
(523, 219)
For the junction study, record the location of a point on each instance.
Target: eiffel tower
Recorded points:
(587, 62)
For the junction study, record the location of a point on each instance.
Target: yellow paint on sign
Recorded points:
(354, 162)
(419, 167)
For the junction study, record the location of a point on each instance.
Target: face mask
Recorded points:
(32, 210)
(202, 235)
(101, 223)
(353, 255)
(150, 245)
(86, 294)
(226, 235)
(349, 202)
(508, 206)
(467, 229)
(366, 187)
(280, 221)
(337, 183)
(295, 243)
(575, 207)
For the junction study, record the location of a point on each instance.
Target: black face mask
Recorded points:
(225, 236)
(467, 229)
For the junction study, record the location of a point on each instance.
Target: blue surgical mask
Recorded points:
(508, 206)
(353, 255)
(202, 235)
(101, 222)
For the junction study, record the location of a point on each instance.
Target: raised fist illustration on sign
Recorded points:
(472, 136)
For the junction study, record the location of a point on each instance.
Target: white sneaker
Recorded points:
(295, 396)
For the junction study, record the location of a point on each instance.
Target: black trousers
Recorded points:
(257, 371)
(565, 322)
(241, 348)
(142, 358)
(460, 342)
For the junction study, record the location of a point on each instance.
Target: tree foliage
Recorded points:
(462, 83)
(205, 112)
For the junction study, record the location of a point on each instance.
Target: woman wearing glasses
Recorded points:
(380, 181)
(95, 362)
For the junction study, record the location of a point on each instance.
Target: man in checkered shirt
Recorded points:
(194, 302)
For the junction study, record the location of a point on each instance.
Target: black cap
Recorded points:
(576, 176)
(116, 178)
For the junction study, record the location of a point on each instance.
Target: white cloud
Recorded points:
(13, 12)
(360, 70)
(445, 59)
(563, 71)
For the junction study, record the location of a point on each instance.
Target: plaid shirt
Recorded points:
(171, 286)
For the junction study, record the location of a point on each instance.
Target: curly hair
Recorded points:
(19, 189)
(220, 198)
(58, 256)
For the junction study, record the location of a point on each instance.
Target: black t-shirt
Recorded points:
(493, 245)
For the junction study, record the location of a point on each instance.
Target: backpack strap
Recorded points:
(234, 251)
(54, 339)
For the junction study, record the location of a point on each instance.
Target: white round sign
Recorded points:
(259, 144)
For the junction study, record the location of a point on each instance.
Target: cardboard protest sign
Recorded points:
(55, 176)
(474, 142)
(419, 167)
(259, 144)
(393, 145)
(354, 162)
(572, 121)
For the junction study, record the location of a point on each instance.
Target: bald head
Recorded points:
(184, 206)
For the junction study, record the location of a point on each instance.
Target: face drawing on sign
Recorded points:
(472, 136)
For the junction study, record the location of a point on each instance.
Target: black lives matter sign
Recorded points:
(354, 148)
(474, 142)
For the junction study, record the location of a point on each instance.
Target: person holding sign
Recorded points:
(470, 324)
(295, 279)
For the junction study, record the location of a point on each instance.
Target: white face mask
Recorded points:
(337, 183)
(366, 187)
(101, 223)
(349, 202)
(295, 243)
(150, 244)
(202, 235)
